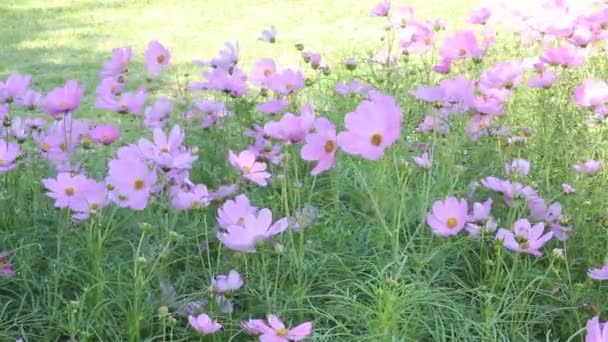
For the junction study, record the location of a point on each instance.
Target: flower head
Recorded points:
(599, 273)
(381, 9)
(448, 217)
(589, 167)
(9, 151)
(480, 16)
(254, 229)
(596, 331)
(227, 283)
(64, 99)
(372, 127)
(14, 88)
(292, 128)
(233, 212)
(157, 58)
(321, 146)
(105, 134)
(118, 64)
(269, 35)
(524, 237)
(274, 330)
(157, 114)
(519, 166)
(250, 169)
(204, 324)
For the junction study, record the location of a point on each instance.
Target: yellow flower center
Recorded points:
(63, 105)
(69, 191)
(452, 222)
(462, 52)
(240, 220)
(94, 206)
(1, 162)
(267, 72)
(283, 332)
(46, 147)
(289, 86)
(160, 59)
(329, 146)
(138, 184)
(522, 241)
(196, 205)
(164, 150)
(427, 41)
(246, 169)
(63, 147)
(376, 139)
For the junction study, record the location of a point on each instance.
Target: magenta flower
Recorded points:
(274, 330)
(118, 64)
(402, 16)
(227, 283)
(9, 151)
(480, 16)
(6, 268)
(519, 166)
(189, 196)
(589, 167)
(448, 217)
(261, 70)
(63, 100)
(592, 93)
(131, 181)
(568, 189)
(567, 56)
(381, 9)
(460, 45)
(599, 273)
(292, 128)
(233, 212)
(273, 106)
(269, 35)
(250, 169)
(423, 160)
(127, 103)
(14, 88)
(204, 324)
(105, 134)
(254, 229)
(525, 238)
(157, 114)
(321, 146)
(157, 58)
(372, 127)
(66, 189)
(286, 81)
(596, 331)
(544, 80)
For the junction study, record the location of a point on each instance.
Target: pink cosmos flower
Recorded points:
(525, 238)
(292, 128)
(596, 331)
(66, 189)
(269, 35)
(273, 106)
(118, 64)
(204, 324)
(63, 100)
(167, 151)
(250, 169)
(402, 16)
(6, 268)
(228, 57)
(233, 212)
(286, 81)
(274, 330)
(519, 166)
(127, 103)
(568, 189)
(223, 191)
(550, 215)
(157, 114)
(261, 70)
(9, 151)
(460, 45)
(109, 86)
(131, 181)
(599, 273)
(418, 38)
(381, 9)
(105, 134)
(189, 196)
(321, 146)
(509, 190)
(254, 229)
(480, 16)
(481, 211)
(589, 167)
(157, 58)
(432, 123)
(423, 161)
(544, 80)
(353, 87)
(232, 82)
(227, 283)
(14, 88)
(208, 112)
(448, 217)
(567, 56)
(92, 199)
(315, 60)
(31, 100)
(592, 93)
(372, 127)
